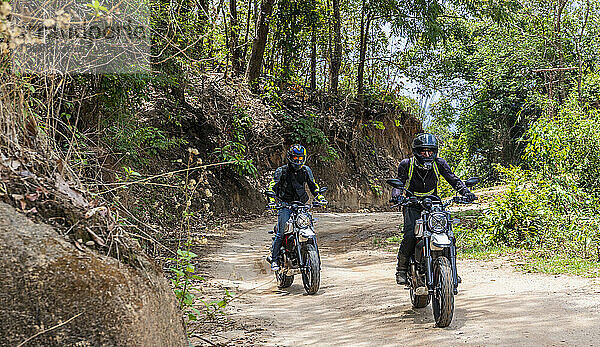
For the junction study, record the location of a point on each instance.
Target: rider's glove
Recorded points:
(321, 199)
(470, 197)
(398, 199)
(396, 195)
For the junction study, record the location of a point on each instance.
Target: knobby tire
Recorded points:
(311, 277)
(443, 296)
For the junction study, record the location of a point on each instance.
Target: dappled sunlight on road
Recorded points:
(360, 304)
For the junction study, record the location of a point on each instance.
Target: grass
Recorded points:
(557, 265)
(390, 243)
(394, 240)
(481, 253)
(474, 213)
(533, 261)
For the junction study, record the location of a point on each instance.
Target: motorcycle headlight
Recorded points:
(438, 222)
(303, 221)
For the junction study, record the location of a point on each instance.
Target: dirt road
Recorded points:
(359, 303)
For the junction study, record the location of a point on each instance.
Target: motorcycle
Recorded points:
(432, 273)
(299, 252)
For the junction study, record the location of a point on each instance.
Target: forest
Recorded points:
(142, 129)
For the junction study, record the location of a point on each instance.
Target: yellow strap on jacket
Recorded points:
(411, 169)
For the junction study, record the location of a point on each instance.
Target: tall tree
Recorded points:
(234, 41)
(336, 59)
(313, 58)
(260, 41)
(365, 23)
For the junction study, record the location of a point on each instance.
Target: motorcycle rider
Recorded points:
(420, 175)
(288, 184)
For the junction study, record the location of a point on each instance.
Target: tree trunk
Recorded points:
(245, 50)
(226, 40)
(234, 42)
(203, 9)
(260, 41)
(313, 59)
(336, 59)
(578, 48)
(561, 93)
(364, 37)
(203, 19)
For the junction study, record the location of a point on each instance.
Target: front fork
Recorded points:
(299, 250)
(428, 263)
(453, 265)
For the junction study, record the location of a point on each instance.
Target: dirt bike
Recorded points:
(432, 274)
(299, 252)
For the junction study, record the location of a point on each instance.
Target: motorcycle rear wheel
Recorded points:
(418, 301)
(311, 277)
(283, 281)
(443, 294)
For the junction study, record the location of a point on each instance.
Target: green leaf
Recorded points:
(178, 272)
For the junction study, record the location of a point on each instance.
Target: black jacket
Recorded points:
(423, 181)
(289, 184)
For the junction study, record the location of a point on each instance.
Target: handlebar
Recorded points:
(461, 200)
(414, 200)
(282, 205)
(299, 204)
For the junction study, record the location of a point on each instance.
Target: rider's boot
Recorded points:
(274, 266)
(401, 269)
(275, 252)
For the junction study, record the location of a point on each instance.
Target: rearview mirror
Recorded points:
(322, 190)
(472, 181)
(271, 194)
(394, 182)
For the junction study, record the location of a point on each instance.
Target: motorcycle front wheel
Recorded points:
(311, 276)
(443, 294)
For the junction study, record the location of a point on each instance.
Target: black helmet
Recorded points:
(296, 156)
(425, 141)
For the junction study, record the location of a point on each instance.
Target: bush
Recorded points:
(541, 212)
(567, 147)
(137, 143)
(303, 129)
(521, 217)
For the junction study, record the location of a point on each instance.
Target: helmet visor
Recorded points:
(426, 152)
(297, 159)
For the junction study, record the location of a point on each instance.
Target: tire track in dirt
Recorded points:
(359, 303)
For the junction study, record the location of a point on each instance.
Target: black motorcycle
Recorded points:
(432, 274)
(299, 252)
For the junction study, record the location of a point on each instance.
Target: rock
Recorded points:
(45, 281)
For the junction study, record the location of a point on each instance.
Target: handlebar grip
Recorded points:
(462, 200)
